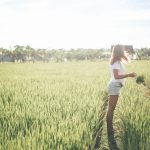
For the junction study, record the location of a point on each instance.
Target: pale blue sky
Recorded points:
(74, 23)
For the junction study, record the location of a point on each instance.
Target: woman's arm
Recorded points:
(118, 76)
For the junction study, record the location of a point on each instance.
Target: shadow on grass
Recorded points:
(98, 130)
(112, 142)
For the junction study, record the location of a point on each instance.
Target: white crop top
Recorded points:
(117, 65)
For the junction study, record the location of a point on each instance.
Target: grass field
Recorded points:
(59, 106)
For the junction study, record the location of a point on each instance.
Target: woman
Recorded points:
(117, 81)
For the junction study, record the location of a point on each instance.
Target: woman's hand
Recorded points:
(117, 76)
(132, 74)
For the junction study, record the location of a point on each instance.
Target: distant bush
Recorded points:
(140, 80)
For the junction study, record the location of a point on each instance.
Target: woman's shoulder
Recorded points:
(115, 65)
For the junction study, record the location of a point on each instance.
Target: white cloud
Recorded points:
(64, 24)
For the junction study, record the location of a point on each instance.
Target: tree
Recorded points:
(5, 53)
(19, 53)
(59, 55)
(143, 53)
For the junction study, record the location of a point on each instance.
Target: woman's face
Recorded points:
(126, 53)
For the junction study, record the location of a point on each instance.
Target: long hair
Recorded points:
(118, 54)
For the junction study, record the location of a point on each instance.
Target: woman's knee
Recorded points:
(110, 110)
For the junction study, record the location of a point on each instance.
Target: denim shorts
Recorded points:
(114, 88)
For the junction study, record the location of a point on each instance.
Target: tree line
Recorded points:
(29, 54)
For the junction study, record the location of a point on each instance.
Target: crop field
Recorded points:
(62, 106)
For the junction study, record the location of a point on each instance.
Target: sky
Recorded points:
(74, 23)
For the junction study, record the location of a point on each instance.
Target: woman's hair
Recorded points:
(118, 54)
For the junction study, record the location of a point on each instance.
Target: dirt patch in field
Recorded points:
(147, 92)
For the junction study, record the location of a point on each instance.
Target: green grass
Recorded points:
(56, 106)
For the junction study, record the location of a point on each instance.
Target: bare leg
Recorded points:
(111, 107)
